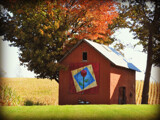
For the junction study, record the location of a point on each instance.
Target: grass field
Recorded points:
(45, 92)
(78, 112)
(32, 90)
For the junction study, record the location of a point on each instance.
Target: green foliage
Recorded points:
(9, 97)
(28, 103)
(44, 30)
(86, 80)
(33, 30)
(143, 19)
(31, 103)
(80, 83)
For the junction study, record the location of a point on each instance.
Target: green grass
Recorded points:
(78, 112)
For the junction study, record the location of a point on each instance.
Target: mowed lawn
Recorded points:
(86, 112)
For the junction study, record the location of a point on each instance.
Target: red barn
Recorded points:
(96, 74)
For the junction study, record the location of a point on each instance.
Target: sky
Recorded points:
(10, 64)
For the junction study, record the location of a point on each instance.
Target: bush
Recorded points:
(8, 97)
(30, 103)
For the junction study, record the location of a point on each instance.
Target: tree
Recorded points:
(44, 30)
(143, 19)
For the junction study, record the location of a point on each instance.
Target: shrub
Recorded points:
(30, 103)
(8, 97)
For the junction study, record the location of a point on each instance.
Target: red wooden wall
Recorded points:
(121, 77)
(110, 78)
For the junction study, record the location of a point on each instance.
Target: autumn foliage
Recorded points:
(87, 18)
(45, 30)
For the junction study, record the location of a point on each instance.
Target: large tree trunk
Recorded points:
(148, 71)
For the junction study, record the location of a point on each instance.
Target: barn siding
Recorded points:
(110, 79)
(103, 95)
(121, 77)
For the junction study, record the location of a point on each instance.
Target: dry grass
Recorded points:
(41, 91)
(154, 92)
(45, 91)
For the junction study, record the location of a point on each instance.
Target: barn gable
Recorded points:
(108, 78)
(109, 53)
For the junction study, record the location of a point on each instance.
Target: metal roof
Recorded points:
(111, 54)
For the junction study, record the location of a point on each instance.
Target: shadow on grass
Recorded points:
(31, 103)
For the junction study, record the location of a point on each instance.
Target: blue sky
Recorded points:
(10, 63)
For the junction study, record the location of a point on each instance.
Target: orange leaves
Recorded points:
(41, 31)
(50, 6)
(86, 18)
(82, 18)
(56, 23)
(45, 27)
(98, 12)
(48, 2)
(94, 23)
(50, 12)
(19, 11)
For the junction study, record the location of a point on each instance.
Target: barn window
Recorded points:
(84, 56)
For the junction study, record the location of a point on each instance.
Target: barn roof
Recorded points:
(111, 54)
